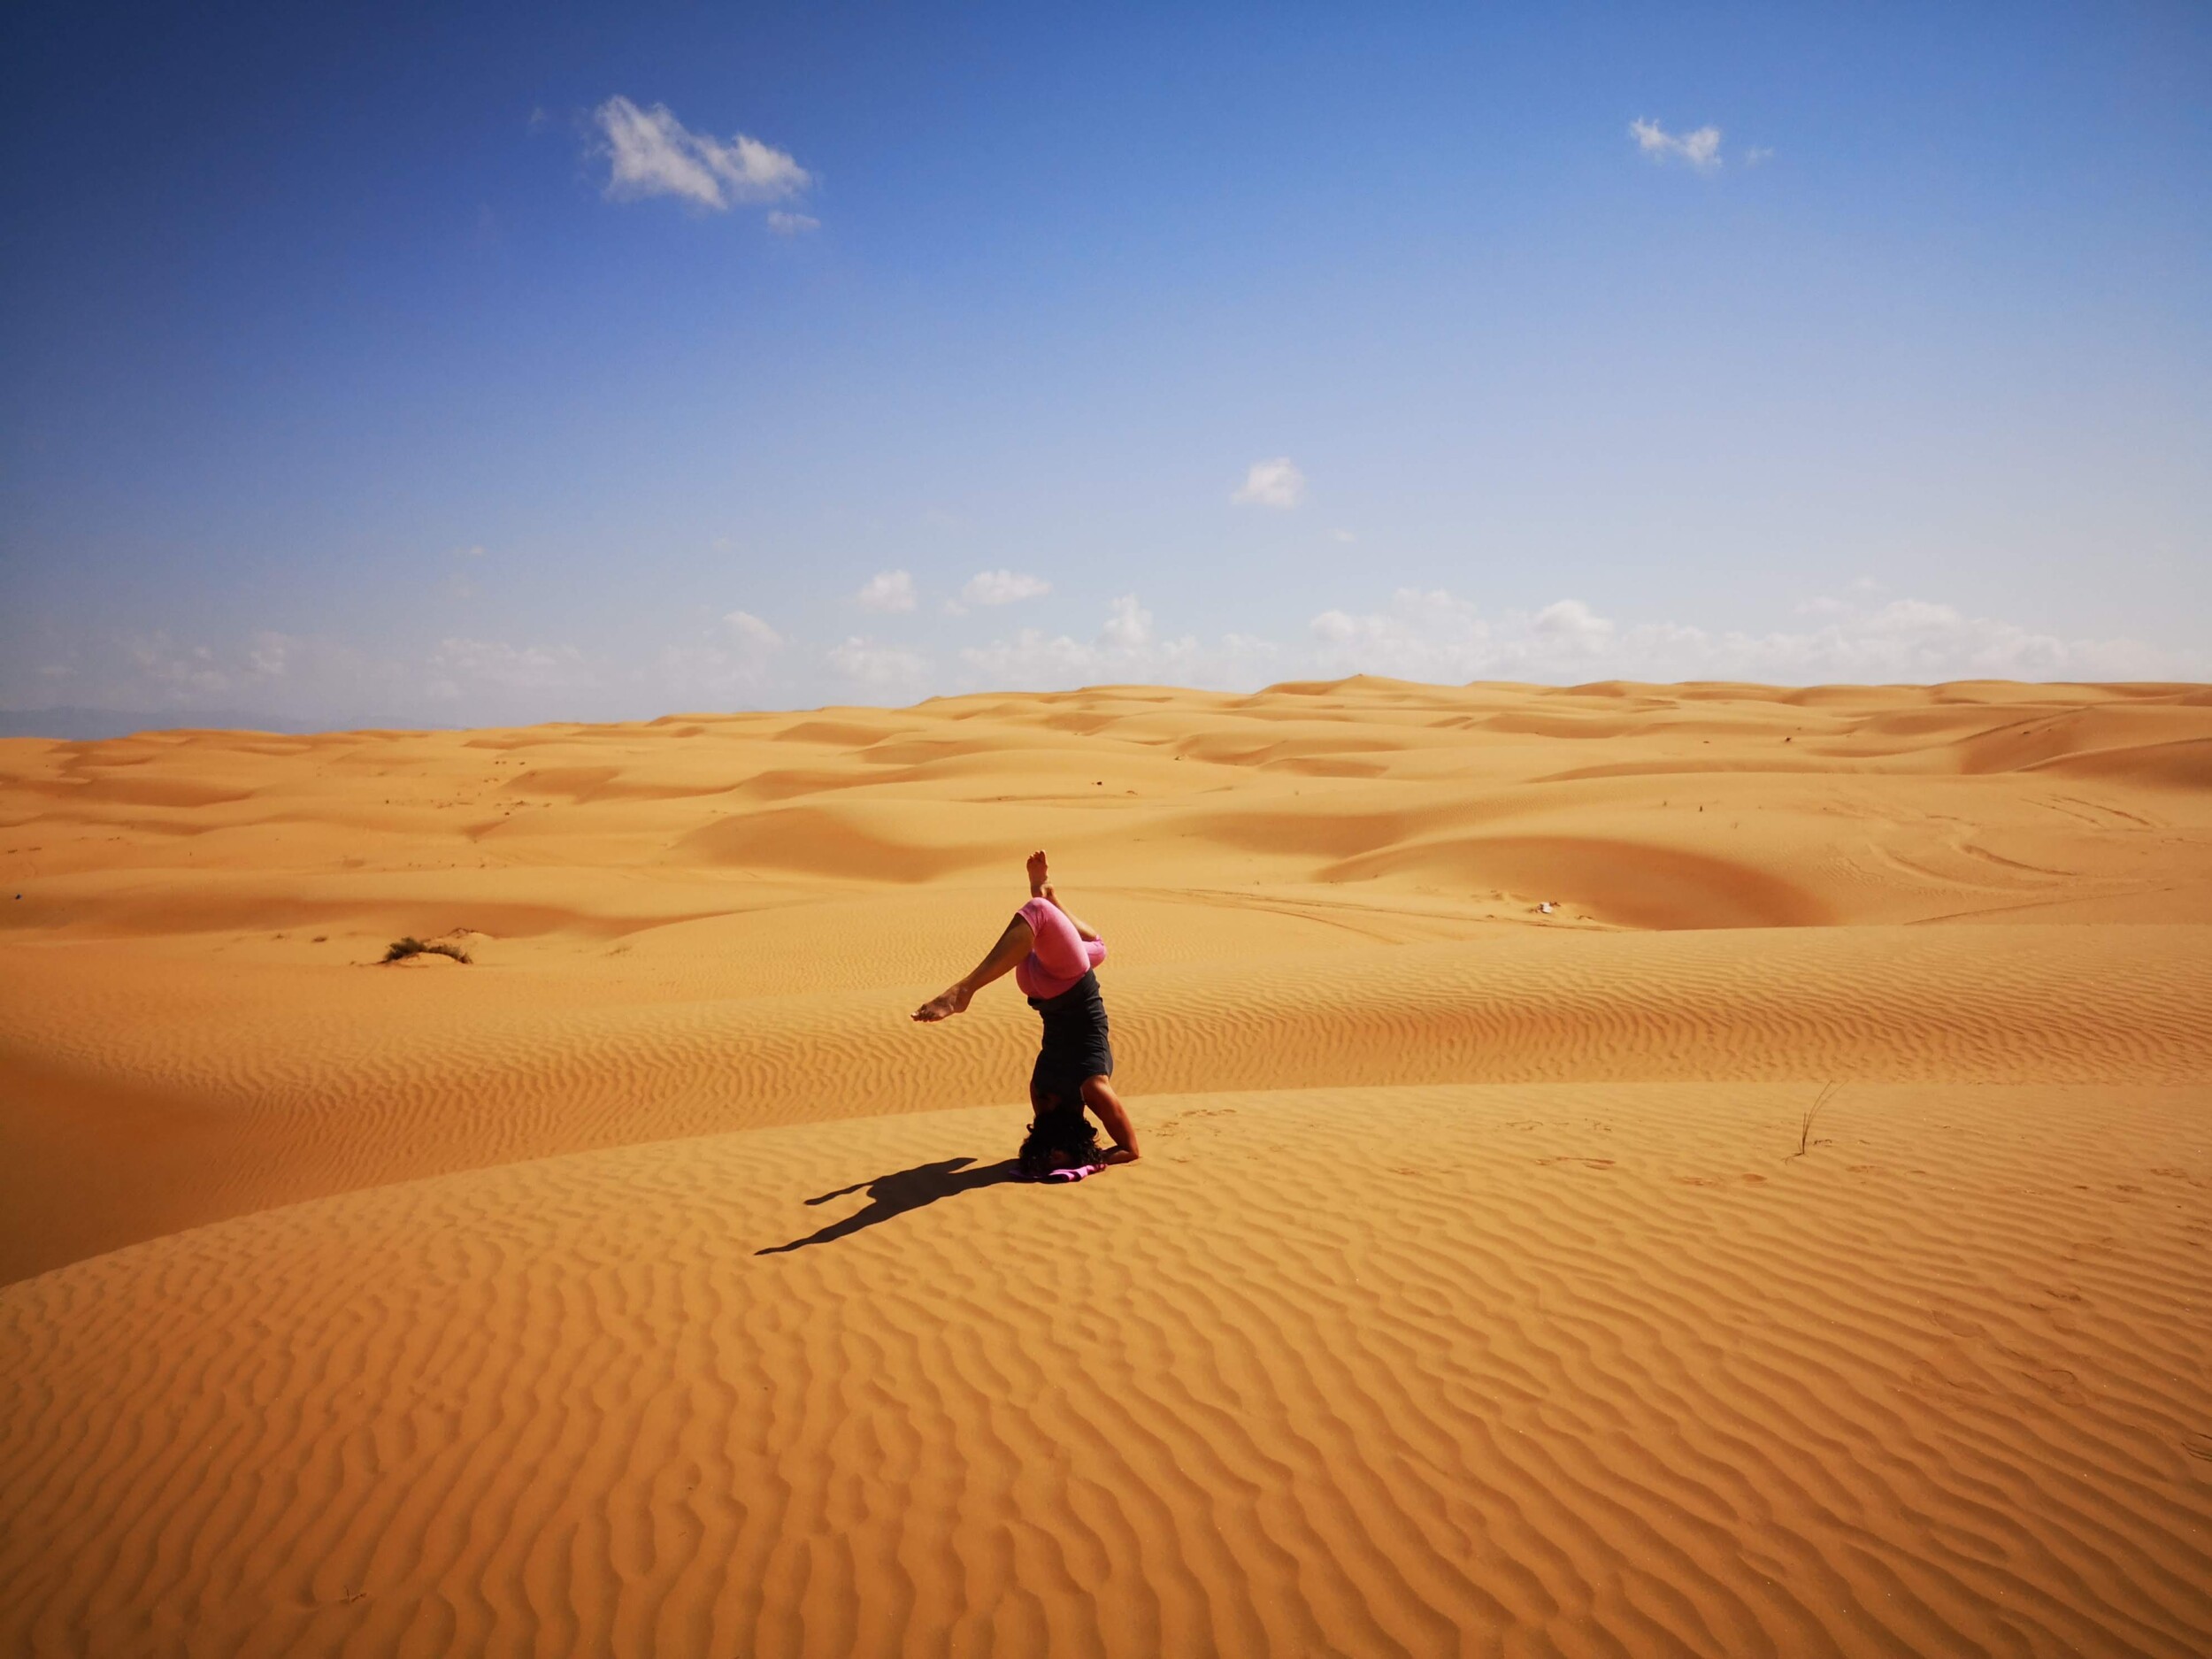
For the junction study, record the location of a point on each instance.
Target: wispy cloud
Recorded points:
(1437, 636)
(882, 669)
(1700, 149)
(1275, 483)
(459, 585)
(742, 660)
(652, 153)
(1128, 647)
(737, 659)
(1128, 623)
(284, 675)
(792, 223)
(1003, 587)
(887, 590)
(181, 670)
(460, 663)
(751, 632)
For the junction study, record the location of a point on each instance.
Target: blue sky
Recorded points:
(464, 366)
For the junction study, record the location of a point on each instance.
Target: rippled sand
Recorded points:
(651, 1285)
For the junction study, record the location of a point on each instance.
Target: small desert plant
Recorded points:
(400, 950)
(1805, 1141)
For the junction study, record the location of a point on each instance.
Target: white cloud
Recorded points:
(1436, 636)
(750, 632)
(268, 656)
(459, 663)
(1275, 483)
(1700, 149)
(1128, 623)
(1003, 587)
(742, 660)
(1573, 624)
(881, 668)
(792, 223)
(175, 671)
(1034, 661)
(1127, 648)
(285, 675)
(1344, 536)
(887, 590)
(261, 674)
(651, 153)
(179, 671)
(1421, 636)
(1758, 153)
(736, 660)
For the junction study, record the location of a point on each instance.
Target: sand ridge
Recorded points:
(1470, 1297)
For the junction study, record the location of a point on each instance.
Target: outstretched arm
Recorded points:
(1041, 887)
(1012, 946)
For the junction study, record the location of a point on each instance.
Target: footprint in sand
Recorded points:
(2058, 1304)
(2063, 1386)
(1948, 1370)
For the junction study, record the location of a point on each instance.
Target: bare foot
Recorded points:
(944, 1005)
(1039, 876)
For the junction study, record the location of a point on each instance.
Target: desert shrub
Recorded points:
(401, 949)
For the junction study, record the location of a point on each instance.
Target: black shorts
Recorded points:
(1076, 1044)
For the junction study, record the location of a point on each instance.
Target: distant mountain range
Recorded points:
(84, 724)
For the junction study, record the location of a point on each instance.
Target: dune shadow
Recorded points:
(899, 1191)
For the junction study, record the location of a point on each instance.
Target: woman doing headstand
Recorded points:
(1052, 955)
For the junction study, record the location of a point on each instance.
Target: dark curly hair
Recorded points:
(1060, 1138)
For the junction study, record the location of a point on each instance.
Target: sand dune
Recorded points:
(1472, 1296)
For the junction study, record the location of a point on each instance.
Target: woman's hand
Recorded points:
(945, 1004)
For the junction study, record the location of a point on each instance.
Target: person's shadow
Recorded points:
(901, 1190)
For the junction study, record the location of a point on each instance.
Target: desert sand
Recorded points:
(651, 1285)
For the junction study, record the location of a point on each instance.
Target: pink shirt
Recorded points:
(1059, 956)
